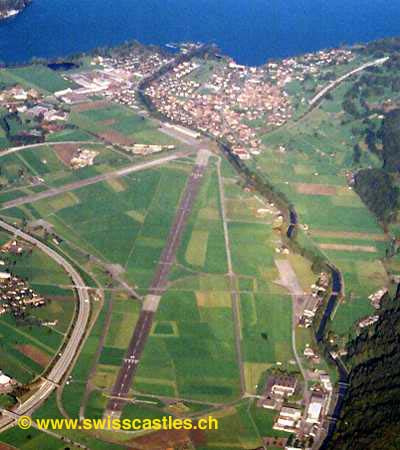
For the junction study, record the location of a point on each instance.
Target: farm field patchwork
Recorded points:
(106, 215)
(118, 124)
(311, 170)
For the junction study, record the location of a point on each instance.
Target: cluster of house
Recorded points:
(44, 112)
(377, 297)
(16, 296)
(292, 419)
(31, 105)
(298, 68)
(14, 95)
(223, 105)
(115, 78)
(311, 355)
(376, 302)
(93, 82)
(313, 301)
(12, 247)
(316, 411)
(368, 321)
(236, 100)
(83, 158)
(147, 149)
(278, 388)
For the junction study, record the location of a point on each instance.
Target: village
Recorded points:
(17, 298)
(235, 99)
(115, 78)
(27, 116)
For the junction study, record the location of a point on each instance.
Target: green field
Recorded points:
(105, 216)
(203, 247)
(202, 330)
(36, 76)
(312, 173)
(121, 120)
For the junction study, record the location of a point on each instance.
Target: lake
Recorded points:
(251, 31)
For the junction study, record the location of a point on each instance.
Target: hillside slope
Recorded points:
(370, 417)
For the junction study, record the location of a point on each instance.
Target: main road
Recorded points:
(157, 288)
(70, 350)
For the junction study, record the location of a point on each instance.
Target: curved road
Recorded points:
(43, 144)
(70, 350)
(344, 77)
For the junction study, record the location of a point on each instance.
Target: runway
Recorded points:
(158, 286)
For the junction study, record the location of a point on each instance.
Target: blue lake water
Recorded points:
(251, 31)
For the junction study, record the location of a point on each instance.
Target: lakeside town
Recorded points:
(213, 95)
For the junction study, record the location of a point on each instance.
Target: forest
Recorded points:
(370, 418)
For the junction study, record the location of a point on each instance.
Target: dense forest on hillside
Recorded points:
(377, 187)
(370, 418)
(391, 141)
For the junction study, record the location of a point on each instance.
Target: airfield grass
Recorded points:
(268, 315)
(96, 405)
(241, 427)
(43, 162)
(107, 227)
(124, 317)
(203, 247)
(204, 297)
(202, 331)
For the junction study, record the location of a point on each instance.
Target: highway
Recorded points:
(158, 286)
(93, 180)
(70, 350)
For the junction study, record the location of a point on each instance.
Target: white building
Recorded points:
(315, 408)
(4, 379)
